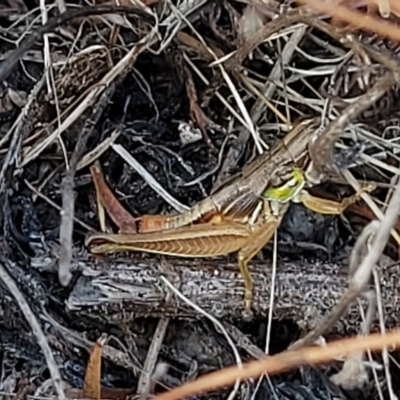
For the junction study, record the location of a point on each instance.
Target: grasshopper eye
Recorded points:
(296, 179)
(292, 182)
(285, 192)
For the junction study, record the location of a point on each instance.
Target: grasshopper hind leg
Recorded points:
(257, 240)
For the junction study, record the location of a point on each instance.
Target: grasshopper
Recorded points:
(241, 216)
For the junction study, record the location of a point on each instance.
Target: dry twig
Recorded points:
(282, 362)
(68, 197)
(145, 381)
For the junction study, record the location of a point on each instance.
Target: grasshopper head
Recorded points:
(289, 189)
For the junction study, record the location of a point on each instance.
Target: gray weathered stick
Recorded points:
(123, 288)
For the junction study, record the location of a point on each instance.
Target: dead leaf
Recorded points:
(92, 384)
(119, 215)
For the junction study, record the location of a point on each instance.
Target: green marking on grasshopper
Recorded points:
(289, 190)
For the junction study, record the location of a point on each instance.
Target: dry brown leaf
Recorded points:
(116, 212)
(92, 384)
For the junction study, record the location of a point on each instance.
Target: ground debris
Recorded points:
(172, 100)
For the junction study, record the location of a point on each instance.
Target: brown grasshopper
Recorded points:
(241, 216)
